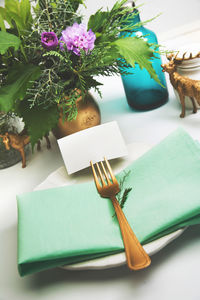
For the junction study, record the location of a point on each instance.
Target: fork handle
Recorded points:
(136, 256)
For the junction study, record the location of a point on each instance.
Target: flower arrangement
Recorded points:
(48, 53)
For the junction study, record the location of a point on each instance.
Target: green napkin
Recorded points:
(72, 224)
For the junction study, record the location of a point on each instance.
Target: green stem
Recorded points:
(50, 81)
(23, 52)
(48, 16)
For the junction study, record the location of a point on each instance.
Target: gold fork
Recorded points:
(136, 256)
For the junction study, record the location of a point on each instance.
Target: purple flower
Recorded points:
(49, 40)
(77, 37)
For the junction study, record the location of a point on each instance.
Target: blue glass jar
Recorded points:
(143, 92)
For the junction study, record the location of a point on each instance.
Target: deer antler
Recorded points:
(179, 60)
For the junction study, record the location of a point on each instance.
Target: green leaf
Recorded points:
(20, 78)
(8, 40)
(136, 50)
(91, 82)
(25, 13)
(38, 120)
(111, 56)
(97, 21)
(11, 9)
(2, 13)
(75, 4)
(18, 14)
(118, 5)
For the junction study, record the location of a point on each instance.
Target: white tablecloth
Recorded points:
(174, 270)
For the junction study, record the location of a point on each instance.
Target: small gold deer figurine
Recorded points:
(185, 86)
(18, 142)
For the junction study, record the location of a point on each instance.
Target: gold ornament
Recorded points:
(88, 116)
(185, 86)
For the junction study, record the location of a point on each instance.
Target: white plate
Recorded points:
(61, 178)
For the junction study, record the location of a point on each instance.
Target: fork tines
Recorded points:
(104, 172)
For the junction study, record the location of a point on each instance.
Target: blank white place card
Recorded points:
(94, 144)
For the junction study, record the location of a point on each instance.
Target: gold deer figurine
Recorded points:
(19, 141)
(185, 86)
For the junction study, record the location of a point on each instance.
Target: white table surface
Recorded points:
(174, 272)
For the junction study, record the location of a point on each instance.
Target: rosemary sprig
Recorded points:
(122, 196)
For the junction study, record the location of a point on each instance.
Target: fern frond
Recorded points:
(58, 55)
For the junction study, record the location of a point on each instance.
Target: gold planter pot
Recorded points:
(88, 116)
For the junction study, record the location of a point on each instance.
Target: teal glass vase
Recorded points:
(143, 92)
